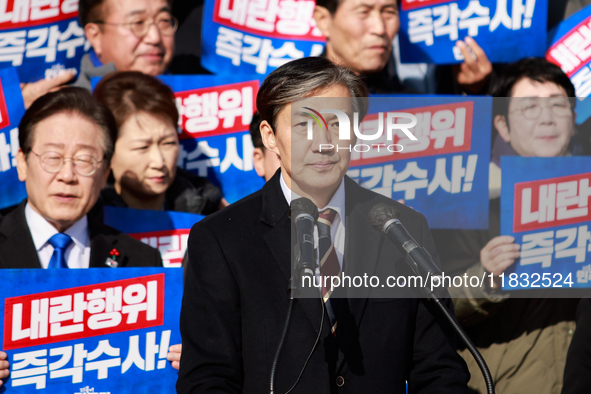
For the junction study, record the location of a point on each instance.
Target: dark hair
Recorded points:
(533, 68)
(255, 132)
(303, 78)
(330, 5)
(129, 92)
(72, 100)
(90, 11)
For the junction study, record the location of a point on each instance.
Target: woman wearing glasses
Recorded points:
(144, 170)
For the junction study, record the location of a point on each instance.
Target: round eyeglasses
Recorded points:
(53, 162)
(165, 25)
(534, 110)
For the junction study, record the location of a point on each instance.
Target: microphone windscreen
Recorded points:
(380, 214)
(303, 205)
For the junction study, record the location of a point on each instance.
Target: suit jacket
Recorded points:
(17, 249)
(235, 303)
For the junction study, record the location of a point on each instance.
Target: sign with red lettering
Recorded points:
(81, 312)
(545, 206)
(440, 129)
(216, 110)
(92, 330)
(286, 19)
(552, 202)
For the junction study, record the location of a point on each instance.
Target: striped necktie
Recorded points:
(60, 243)
(329, 263)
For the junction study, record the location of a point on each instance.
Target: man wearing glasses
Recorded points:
(523, 340)
(66, 144)
(131, 35)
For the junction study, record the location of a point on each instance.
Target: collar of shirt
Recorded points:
(337, 202)
(94, 58)
(41, 231)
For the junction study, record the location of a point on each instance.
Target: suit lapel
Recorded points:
(101, 245)
(362, 244)
(17, 249)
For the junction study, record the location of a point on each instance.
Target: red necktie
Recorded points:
(329, 263)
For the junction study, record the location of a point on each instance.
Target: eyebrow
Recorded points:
(144, 11)
(78, 146)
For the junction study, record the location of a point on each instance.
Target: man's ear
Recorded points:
(21, 165)
(258, 156)
(323, 20)
(502, 127)
(94, 35)
(268, 137)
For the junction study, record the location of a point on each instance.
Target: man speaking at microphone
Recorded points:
(235, 300)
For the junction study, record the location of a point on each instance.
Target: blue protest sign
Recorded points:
(166, 231)
(255, 37)
(90, 330)
(545, 206)
(507, 30)
(215, 115)
(41, 38)
(570, 48)
(444, 173)
(11, 112)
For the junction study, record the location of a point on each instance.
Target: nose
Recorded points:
(322, 140)
(156, 158)
(66, 173)
(547, 115)
(153, 35)
(376, 23)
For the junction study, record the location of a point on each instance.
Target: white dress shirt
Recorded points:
(77, 255)
(337, 230)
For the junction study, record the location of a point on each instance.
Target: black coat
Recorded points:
(17, 249)
(235, 302)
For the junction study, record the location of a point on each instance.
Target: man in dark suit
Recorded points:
(235, 300)
(66, 143)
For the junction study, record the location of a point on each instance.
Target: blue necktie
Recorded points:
(60, 243)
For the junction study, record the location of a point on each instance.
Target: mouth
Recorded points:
(65, 197)
(158, 179)
(323, 165)
(153, 56)
(547, 138)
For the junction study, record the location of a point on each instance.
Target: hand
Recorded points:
(475, 72)
(32, 91)
(174, 355)
(4, 372)
(498, 254)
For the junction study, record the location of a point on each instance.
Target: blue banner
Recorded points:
(507, 30)
(166, 231)
(215, 115)
(444, 173)
(90, 331)
(41, 38)
(255, 37)
(545, 206)
(570, 48)
(11, 111)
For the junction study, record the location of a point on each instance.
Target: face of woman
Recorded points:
(146, 153)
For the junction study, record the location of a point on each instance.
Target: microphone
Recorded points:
(304, 213)
(384, 218)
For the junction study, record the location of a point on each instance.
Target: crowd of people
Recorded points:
(119, 146)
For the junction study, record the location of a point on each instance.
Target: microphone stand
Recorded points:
(490, 388)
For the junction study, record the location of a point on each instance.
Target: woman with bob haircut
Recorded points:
(144, 172)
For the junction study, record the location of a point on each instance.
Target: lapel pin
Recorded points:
(112, 261)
